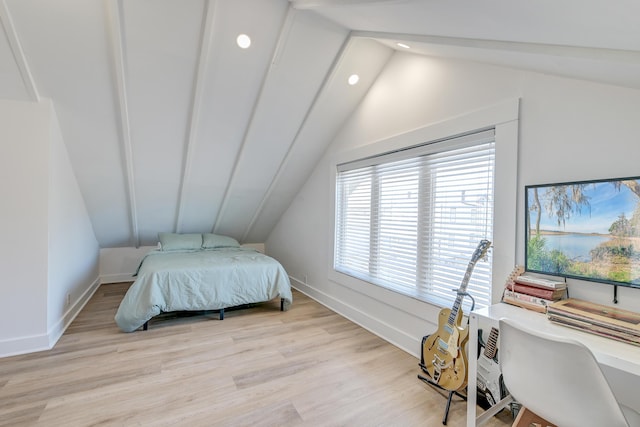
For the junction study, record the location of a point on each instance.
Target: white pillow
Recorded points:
(178, 242)
(212, 241)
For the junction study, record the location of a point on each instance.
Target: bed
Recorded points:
(198, 273)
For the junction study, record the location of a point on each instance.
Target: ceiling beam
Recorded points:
(325, 83)
(116, 32)
(282, 38)
(604, 54)
(317, 4)
(206, 39)
(18, 53)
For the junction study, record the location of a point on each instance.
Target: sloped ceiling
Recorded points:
(171, 126)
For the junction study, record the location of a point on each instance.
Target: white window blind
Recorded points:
(411, 219)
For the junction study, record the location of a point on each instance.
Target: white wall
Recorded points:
(48, 249)
(569, 130)
(24, 134)
(73, 248)
(119, 264)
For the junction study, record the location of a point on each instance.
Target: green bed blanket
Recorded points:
(201, 280)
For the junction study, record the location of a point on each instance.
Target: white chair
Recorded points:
(558, 379)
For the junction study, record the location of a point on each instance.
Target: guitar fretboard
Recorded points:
(491, 347)
(480, 251)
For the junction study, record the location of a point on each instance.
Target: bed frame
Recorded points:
(145, 327)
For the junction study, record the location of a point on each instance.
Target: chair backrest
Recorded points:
(557, 378)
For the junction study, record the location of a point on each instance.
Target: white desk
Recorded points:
(618, 355)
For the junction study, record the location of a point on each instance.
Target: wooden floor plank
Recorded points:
(258, 367)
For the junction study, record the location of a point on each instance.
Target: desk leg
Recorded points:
(472, 381)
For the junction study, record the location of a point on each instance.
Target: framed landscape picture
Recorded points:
(587, 230)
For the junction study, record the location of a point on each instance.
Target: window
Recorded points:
(411, 219)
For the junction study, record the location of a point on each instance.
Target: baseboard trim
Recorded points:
(24, 345)
(63, 323)
(36, 343)
(385, 331)
(116, 278)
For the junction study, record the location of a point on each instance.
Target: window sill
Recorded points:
(410, 304)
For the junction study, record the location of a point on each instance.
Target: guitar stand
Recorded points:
(432, 383)
(449, 398)
(467, 294)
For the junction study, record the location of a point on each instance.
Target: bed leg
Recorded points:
(222, 314)
(145, 326)
(281, 304)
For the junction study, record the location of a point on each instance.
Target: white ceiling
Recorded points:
(171, 127)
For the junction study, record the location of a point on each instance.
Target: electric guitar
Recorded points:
(490, 382)
(443, 352)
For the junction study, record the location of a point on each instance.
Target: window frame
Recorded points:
(503, 117)
(417, 159)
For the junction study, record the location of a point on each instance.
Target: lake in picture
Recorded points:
(576, 247)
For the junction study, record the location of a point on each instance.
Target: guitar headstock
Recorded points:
(518, 270)
(481, 250)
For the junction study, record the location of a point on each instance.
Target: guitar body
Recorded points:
(444, 357)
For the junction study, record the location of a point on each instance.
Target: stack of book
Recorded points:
(533, 293)
(610, 322)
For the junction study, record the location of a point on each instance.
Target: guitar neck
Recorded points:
(480, 251)
(461, 290)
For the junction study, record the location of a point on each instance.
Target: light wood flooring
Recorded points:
(257, 367)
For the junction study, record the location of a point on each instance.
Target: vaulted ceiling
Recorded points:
(171, 126)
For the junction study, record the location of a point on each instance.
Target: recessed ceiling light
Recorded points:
(404, 46)
(353, 79)
(244, 41)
